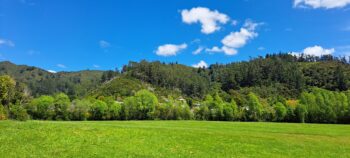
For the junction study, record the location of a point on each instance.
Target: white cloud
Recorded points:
(195, 41)
(234, 22)
(61, 66)
(33, 52)
(315, 51)
(52, 71)
(200, 64)
(6, 42)
(104, 44)
(215, 49)
(198, 50)
(261, 48)
(210, 20)
(223, 49)
(96, 66)
(170, 49)
(237, 39)
(328, 4)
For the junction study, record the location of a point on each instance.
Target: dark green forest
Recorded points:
(278, 87)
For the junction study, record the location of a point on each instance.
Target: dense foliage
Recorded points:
(279, 87)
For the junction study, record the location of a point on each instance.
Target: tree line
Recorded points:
(315, 106)
(279, 87)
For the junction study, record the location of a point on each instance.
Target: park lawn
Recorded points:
(172, 139)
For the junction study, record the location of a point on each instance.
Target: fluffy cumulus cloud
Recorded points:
(237, 39)
(210, 20)
(5, 42)
(200, 64)
(223, 49)
(104, 44)
(170, 49)
(315, 51)
(328, 4)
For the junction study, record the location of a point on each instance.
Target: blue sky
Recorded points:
(65, 35)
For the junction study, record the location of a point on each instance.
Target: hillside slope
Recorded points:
(42, 82)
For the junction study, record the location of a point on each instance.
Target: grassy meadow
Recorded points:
(172, 139)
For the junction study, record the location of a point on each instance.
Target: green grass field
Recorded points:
(172, 139)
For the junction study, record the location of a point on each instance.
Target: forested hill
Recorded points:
(272, 75)
(277, 74)
(42, 82)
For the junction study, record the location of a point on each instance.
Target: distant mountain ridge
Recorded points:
(272, 75)
(40, 81)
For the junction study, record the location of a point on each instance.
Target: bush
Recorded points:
(79, 110)
(230, 111)
(141, 106)
(17, 112)
(42, 108)
(61, 103)
(98, 110)
(281, 111)
(254, 109)
(3, 114)
(301, 112)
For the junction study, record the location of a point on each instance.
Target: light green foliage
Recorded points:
(216, 107)
(3, 114)
(42, 108)
(230, 111)
(165, 111)
(281, 111)
(325, 106)
(114, 109)
(141, 106)
(7, 89)
(61, 103)
(254, 108)
(79, 109)
(18, 112)
(201, 113)
(301, 113)
(98, 110)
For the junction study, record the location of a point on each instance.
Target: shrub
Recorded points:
(254, 109)
(301, 112)
(3, 114)
(17, 112)
(98, 110)
(42, 108)
(141, 106)
(281, 111)
(61, 103)
(114, 108)
(79, 110)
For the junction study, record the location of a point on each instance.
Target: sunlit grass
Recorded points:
(172, 139)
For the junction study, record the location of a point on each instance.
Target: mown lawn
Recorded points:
(172, 139)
